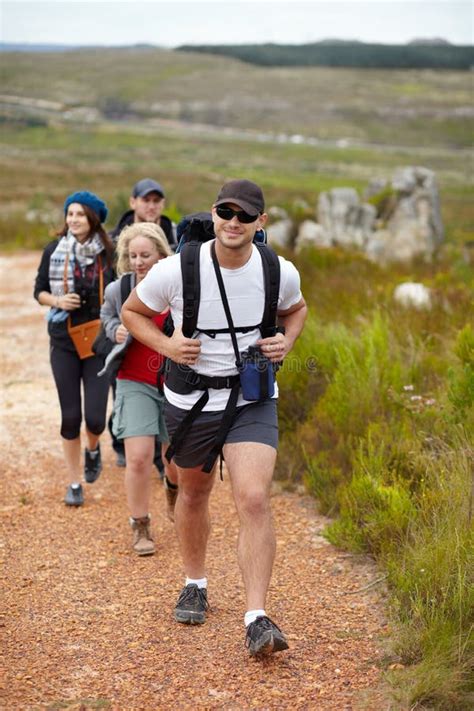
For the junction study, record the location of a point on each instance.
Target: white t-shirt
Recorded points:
(245, 289)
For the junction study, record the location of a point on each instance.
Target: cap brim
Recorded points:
(144, 193)
(250, 209)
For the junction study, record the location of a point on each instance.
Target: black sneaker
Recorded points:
(191, 606)
(264, 637)
(92, 466)
(74, 495)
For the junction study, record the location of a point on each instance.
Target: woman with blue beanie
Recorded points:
(72, 275)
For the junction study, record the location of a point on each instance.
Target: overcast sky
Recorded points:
(170, 24)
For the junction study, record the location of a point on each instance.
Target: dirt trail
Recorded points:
(86, 624)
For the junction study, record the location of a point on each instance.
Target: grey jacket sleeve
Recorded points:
(110, 309)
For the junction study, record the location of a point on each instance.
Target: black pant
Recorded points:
(117, 444)
(69, 372)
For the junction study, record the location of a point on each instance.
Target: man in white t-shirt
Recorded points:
(251, 438)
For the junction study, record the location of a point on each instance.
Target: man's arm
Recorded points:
(137, 318)
(278, 346)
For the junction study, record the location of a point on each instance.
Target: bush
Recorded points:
(379, 433)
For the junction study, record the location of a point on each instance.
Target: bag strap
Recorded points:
(271, 275)
(66, 265)
(101, 278)
(191, 276)
(185, 425)
(125, 287)
(101, 281)
(225, 304)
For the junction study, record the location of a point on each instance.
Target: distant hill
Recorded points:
(428, 54)
(429, 41)
(147, 86)
(22, 47)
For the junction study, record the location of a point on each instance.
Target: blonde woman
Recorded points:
(138, 411)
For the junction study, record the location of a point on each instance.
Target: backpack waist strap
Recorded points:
(186, 423)
(183, 380)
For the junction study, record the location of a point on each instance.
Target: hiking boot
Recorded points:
(74, 495)
(171, 496)
(191, 606)
(264, 637)
(120, 461)
(143, 543)
(92, 465)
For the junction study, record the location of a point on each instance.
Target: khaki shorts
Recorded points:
(138, 411)
(257, 422)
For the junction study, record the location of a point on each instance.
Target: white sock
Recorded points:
(251, 616)
(200, 582)
(93, 452)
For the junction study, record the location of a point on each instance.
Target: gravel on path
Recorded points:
(85, 624)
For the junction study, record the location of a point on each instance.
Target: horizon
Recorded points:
(433, 41)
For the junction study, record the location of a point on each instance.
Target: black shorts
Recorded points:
(256, 422)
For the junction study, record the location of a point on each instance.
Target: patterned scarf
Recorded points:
(84, 253)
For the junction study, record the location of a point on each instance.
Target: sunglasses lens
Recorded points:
(227, 213)
(245, 217)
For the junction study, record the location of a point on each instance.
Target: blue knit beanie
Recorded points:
(84, 197)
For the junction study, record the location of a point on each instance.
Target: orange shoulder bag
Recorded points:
(84, 334)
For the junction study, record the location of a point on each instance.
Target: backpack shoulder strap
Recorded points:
(271, 274)
(191, 286)
(125, 287)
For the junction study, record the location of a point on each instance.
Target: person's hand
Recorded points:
(121, 334)
(68, 302)
(274, 348)
(183, 350)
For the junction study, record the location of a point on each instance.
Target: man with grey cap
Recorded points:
(208, 408)
(147, 203)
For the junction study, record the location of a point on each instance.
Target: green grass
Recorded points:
(109, 158)
(381, 433)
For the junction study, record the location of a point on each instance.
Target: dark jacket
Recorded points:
(128, 218)
(87, 286)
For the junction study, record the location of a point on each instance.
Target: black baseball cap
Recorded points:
(243, 193)
(145, 187)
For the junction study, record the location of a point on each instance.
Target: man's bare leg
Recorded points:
(192, 520)
(193, 527)
(250, 467)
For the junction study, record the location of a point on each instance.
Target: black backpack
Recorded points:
(191, 232)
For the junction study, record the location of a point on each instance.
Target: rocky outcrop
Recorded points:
(414, 229)
(401, 222)
(279, 233)
(311, 234)
(345, 220)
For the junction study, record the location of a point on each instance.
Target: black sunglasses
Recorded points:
(227, 213)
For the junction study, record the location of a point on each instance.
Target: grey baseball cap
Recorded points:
(145, 187)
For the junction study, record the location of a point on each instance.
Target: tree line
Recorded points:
(347, 54)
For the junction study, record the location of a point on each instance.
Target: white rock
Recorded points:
(279, 233)
(310, 233)
(413, 294)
